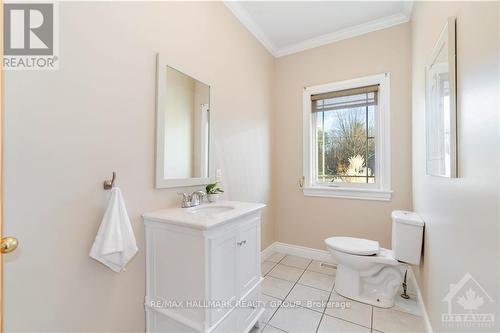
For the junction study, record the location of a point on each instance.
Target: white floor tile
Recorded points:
(271, 305)
(333, 325)
(311, 298)
(266, 266)
(286, 272)
(276, 287)
(315, 266)
(317, 280)
(407, 305)
(343, 308)
(388, 321)
(271, 329)
(276, 257)
(296, 320)
(314, 286)
(295, 261)
(256, 330)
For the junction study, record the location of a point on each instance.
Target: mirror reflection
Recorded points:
(440, 107)
(183, 128)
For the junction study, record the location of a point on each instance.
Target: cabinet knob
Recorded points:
(241, 243)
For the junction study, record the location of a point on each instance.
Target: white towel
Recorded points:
(115, 243)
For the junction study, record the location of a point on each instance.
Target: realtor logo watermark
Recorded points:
(469, 305)
(30, 36)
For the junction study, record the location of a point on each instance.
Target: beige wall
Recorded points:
(67, 130)
(461, 215)
(307, 221)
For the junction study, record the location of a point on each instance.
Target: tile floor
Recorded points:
(297, 290)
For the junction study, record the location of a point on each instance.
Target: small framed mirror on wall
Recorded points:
(441, 106)
(182, 128)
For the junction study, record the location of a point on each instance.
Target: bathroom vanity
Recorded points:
(203, 268)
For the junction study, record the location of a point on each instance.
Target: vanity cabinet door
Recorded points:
(248, 256)
(223, 272)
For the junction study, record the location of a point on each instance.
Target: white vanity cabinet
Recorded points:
(203, 268)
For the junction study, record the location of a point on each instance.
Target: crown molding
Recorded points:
(242, 15)
(408, 8)
(358, 30)
(339, 35)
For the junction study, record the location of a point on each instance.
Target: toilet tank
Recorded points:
(407, 233)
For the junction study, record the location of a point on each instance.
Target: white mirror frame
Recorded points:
(446, 37)
(161, 182)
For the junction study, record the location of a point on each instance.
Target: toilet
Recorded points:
(371, 274)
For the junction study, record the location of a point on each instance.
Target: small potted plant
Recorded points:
(213, 191)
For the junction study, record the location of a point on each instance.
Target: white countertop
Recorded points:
(188, 217)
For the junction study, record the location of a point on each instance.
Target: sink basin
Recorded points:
(211, 210)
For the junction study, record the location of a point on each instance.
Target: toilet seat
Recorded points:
(351, 245)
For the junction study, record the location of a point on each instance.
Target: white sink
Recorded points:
(211, 210)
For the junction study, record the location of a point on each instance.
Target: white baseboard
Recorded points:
(267, 252)
(297, 250)
(420, 301)
(325, 256)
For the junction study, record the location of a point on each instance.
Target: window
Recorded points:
(346, 139)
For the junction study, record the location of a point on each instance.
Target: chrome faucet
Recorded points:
(191, 200)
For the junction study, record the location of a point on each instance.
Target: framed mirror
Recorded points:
(182, 128)
(441, 106)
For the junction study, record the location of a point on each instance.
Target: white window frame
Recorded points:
(381, 189)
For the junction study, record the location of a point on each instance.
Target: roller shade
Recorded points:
(343, 99)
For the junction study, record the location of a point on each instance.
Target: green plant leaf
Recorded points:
(213, 189)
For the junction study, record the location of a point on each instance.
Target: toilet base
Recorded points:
(376, 286)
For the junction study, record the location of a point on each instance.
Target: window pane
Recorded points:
(371, 121)
(345, 145)
(371, 156)
(346, 122)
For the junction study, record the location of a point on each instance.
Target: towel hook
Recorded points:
(109, 184)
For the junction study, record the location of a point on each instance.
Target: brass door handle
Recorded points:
(8, 244)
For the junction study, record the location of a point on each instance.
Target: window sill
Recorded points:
(348, 193)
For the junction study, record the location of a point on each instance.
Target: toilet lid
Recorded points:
(358, 246)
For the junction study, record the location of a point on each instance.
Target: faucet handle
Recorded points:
(186, 200)
(200, 193)
(185, 196)
(197, 197)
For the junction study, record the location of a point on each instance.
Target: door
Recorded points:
(7, 244)
(249, 256)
